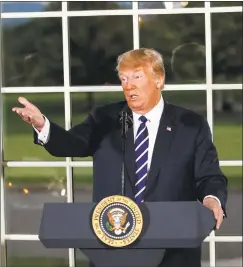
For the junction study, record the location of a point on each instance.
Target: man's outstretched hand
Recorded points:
(30, 113)
(214, 205)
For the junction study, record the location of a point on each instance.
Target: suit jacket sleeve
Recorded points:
(76, 142)
(209, 178)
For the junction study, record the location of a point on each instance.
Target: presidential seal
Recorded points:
(117, 221)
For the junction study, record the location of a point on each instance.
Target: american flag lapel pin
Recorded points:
(168, 128)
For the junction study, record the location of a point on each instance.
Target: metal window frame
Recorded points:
(120, 12)
(3, 253)
(115, 88)
(67, 89)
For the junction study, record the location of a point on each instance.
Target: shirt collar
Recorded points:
(154, 114)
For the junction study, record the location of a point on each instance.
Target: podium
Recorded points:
(165, 225)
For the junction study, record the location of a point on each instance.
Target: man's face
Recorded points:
(140, 88)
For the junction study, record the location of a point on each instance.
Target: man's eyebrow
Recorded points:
(136, 71)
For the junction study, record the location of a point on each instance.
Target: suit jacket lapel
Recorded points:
(166, 132)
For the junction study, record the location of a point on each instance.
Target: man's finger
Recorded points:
(25, 102)
(23, 113)
(216, 213)
(25, 116)
(16, 109)
(219, 218)
(219, 222)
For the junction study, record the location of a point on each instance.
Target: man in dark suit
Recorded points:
(169, 154)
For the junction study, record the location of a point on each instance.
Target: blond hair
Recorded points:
(142, 57)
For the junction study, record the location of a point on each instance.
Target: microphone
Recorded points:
(126, 121)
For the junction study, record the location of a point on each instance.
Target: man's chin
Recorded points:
(136, 107)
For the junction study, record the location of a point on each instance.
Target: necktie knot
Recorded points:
(143, 119)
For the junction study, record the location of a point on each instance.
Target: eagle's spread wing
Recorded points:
(111, 220)
(124, 219)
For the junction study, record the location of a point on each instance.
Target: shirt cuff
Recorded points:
(43, 135)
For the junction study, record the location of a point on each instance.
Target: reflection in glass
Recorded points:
(234, 175)
(193, 100)
(233, 224)
(98, 5)
(228, 254)
(18, 135)
(82, 103)
(83, 184)
(26, 190)
(228, 124)
(83, 189)
(225, 3)
(227, 47)
(181, 41)
(81, 259)
(34, 254)
(32, 52)
(94, 46)
(205, 253)
(30, 6)
(170, 4)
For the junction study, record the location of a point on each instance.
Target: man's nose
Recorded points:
(130, 85)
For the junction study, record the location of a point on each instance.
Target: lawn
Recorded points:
(227, 139)
(18, 138)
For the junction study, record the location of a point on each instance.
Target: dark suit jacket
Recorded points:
(184, 166)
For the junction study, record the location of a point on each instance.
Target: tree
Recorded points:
(33, 55)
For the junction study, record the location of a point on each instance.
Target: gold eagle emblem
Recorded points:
(117, 218)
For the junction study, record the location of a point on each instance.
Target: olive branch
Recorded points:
(108, 226)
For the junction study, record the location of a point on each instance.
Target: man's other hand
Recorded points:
(30, 113)
(214, 205)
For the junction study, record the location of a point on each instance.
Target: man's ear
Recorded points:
(160, 81)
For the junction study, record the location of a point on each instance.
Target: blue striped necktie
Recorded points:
(141, 155)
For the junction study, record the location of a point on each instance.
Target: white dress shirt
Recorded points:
(153, 117)
(43, 136)
(153, 120)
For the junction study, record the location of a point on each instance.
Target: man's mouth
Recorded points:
(133, 97)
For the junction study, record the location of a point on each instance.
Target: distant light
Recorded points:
(140, 19)
(26, 191)
(175, 4)
(10, 184)
(63, 192)
(184, 4)
(168, 5)
(44, 3)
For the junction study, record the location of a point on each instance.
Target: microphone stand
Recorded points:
(125, 120)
